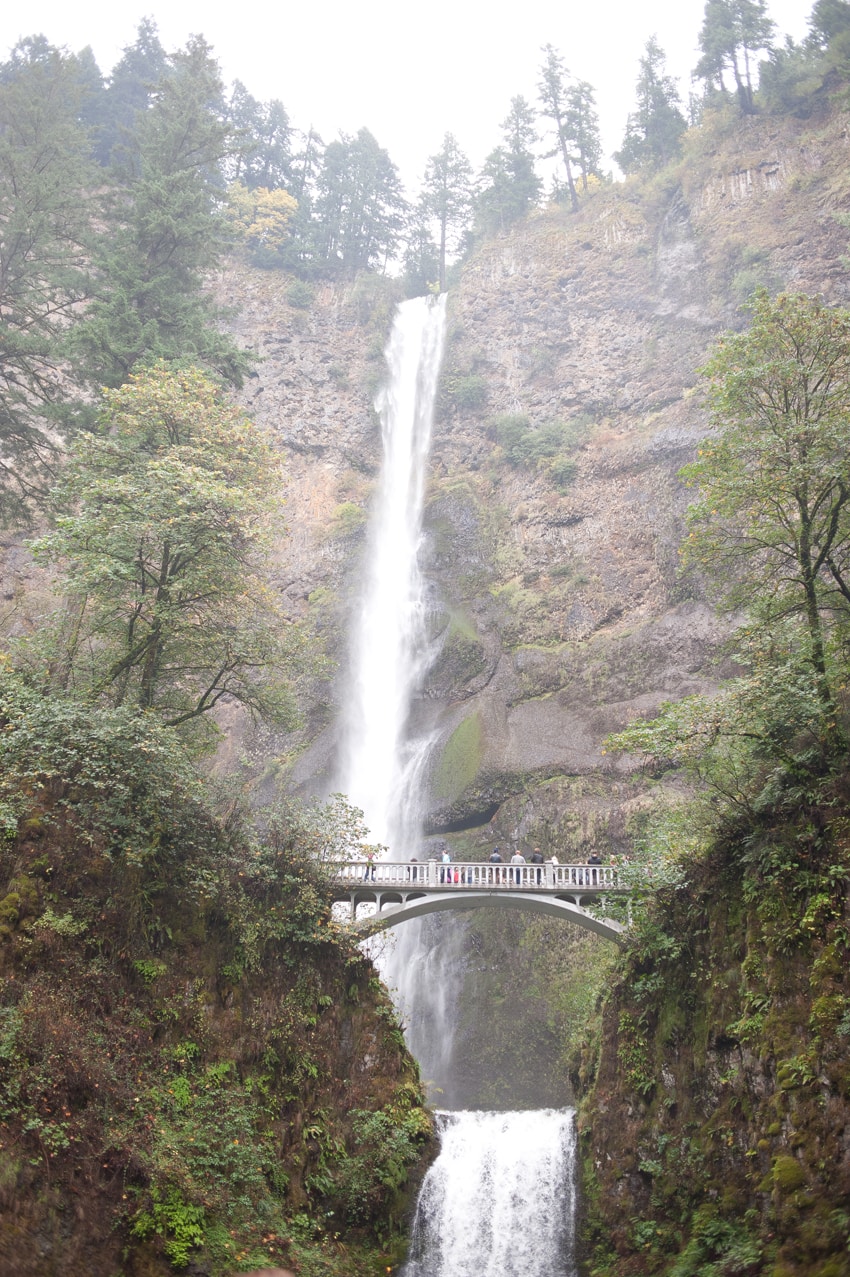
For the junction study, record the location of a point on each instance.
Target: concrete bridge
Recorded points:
(400, 890)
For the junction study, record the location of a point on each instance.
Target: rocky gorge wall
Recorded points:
(559, 605)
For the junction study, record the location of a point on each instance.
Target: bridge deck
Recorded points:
(431, 875)
(402, 890)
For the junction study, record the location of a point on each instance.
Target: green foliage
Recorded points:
(358, 208)
(447, 199)
(655, 127)
(771, 523)
(508, 185)
(115, 772)
(733, 32)
(468, 392)
(162, 520)
(167, 231)
(546, 447)
(45, 180)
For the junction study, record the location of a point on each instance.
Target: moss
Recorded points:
(787, 1174)
(460, 760)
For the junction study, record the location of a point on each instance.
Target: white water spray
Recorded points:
(499, 1200)
(380, 764)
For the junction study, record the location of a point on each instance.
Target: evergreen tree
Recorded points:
(44, 228)
(448, 198)
(655, 127)
(733, 31)
(359, 209)
(128, 95)
(167, 231)
(508, 186)
(422, 255)
(261, 136)
(582, 127)
(553, 88)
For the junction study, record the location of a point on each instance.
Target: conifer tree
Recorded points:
(582, 128)
(128, 95)
(167, 231)
(733, 31)
(554, 89)
(359, 209)
(508, 185)
(654, 128)
(448, 197)
(44, 230)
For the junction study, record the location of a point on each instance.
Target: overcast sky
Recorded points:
(409, 73)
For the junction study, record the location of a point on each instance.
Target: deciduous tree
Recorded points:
(772, 522)
(163, 518)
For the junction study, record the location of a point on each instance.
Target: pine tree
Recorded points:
(44, 231)
(448, 197)
(554, 88)
(508, 185)
(167, 231)
(129, 93)
(733, 31)
(582, 128)
(359, 210)
(655, 127)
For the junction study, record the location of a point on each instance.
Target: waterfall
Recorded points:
(381, 762)
(494, 1202)
(381, 758)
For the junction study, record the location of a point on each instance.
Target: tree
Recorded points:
(130, 91)
(655, 127)
(553, 89)
(421, 255)
(733, 31)
(582, 127)
(264, 218)
(167, 231)
(448, 197)
(772, 522)
(163, 518)
(262, 155)
(508, 186)
(45, 177)
(359, 207)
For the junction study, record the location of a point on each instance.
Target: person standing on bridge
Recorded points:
(517, 859)
(446, 874)
(496, 859)
(537, 859)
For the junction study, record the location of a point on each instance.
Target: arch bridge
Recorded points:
(401, 890)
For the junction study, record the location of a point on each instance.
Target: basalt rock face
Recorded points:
(570, 399)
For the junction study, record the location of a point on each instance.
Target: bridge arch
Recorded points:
(393, 912)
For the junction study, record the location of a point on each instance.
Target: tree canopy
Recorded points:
(772, 522)
(162, 517)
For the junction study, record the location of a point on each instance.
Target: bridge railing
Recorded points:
(465, 875)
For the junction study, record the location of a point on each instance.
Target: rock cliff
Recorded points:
(570, 399)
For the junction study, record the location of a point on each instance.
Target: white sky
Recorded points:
(409, 73)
